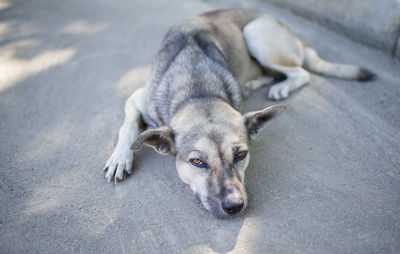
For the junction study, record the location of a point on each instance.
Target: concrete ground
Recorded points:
(324, 177)
(371, 22)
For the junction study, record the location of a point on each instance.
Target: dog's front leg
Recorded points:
(120, 162)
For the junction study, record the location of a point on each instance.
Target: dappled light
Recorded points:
(133, 79)
(14, 70)
(4, 28)
(4, 4)
(83, 28)
(249, 232)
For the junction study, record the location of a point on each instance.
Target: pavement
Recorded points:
(370, 22)
(324, 177)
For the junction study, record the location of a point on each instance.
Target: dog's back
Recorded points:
(203, 57)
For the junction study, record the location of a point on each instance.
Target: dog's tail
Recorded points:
(314, 63)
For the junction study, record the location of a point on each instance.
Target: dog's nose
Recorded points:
(232, 207)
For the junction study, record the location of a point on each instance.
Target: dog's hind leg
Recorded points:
(256, 84)
(296, 78)
(120, 163)
(276, 48)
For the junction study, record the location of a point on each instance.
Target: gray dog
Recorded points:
(191, 104)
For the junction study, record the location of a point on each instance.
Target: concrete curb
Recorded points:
(365, 21)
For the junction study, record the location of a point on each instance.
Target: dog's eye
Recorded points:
(198, 163)
(240, 156)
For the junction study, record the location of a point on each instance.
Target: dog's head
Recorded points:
(211, 148)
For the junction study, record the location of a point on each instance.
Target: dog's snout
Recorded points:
(232, 207)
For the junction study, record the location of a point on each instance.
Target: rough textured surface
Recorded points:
(371, 22)
(324, 177)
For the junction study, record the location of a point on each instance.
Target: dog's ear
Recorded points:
(160, 139)
(256, 120)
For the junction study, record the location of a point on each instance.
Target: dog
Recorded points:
(191, 104)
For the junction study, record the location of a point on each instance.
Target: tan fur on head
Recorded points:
(215, 140)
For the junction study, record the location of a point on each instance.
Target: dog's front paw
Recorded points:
(119, 165)
(278, 92)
